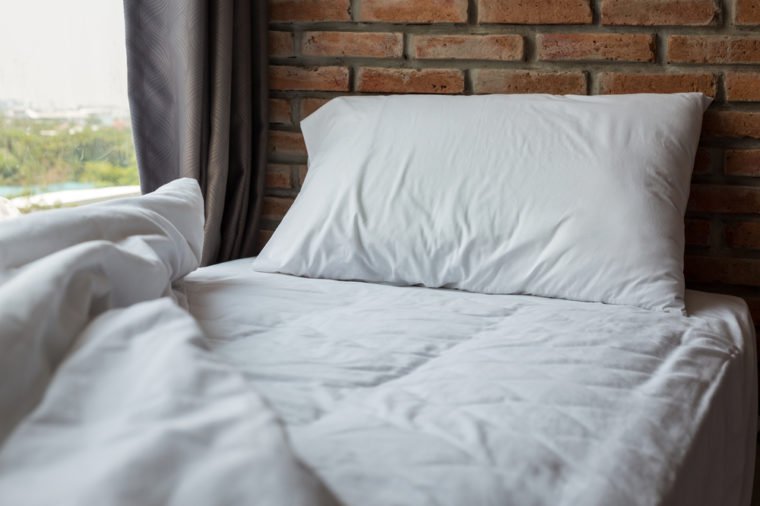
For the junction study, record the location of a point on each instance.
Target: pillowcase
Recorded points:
(570, 197)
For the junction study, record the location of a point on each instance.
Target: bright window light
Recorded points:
(65, 133)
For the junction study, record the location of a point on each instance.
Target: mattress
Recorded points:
(409, 395)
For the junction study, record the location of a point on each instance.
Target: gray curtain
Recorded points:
(198, 98)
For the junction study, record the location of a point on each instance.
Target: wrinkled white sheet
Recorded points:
(413, 396)
(108, 391)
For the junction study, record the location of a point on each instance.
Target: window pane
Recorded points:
(65, 134)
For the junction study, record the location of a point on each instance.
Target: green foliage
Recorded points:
(104, 173)
(40, 152)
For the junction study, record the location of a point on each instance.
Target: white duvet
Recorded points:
(415, 396)
(285, 391)
(109, 394)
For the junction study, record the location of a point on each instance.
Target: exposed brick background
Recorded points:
(658, 12)
(617, 47)
(747, 12)
(320, 49)
(562, 12)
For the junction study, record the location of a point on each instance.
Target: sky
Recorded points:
(63, 53)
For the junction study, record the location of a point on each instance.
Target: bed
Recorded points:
(407, 395)
(434, 348)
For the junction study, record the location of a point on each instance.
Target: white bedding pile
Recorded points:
(415, 396)
(108, 392)
(128, 377)
(285, 391)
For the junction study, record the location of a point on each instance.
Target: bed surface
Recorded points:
(406, 395)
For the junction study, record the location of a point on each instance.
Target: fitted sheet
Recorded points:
(409, 395)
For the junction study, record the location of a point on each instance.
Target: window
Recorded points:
(65, 134)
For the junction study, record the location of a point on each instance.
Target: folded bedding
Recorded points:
(409, 395)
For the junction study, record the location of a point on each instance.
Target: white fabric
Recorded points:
(108, 392)
(572, 197)
(415, 396)
(7, 210)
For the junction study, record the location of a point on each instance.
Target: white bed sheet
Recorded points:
(417, 396)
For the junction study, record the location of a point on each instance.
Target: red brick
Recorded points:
(302, 170)
(417, 11)
(743, 86)
(732, 124)
(309, 10)
(725, 199)
(527, 81)
(371, 45)
(697, 232)
(280, 44)
(277, 176)
(264, 236)
(286, 143)
(279, 111)
(468, 47)
(703, 161)
(747, 12)
(283, 77)
(309, 105)
(713, 49)
(274, 208)
(625, 82)
(395, 80)
(543, 12)
(743, 235)
(659, 12)
(742, 162)
(731, 271)
(633, 47)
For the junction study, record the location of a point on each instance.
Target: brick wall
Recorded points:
(321, 49)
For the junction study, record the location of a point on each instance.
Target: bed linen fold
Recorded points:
(109, 393)
(60, 269)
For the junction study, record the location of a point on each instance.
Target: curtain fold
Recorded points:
(198, 99)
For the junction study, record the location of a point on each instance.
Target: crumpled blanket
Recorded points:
(108, 392)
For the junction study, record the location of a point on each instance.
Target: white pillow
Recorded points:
(572, 197)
